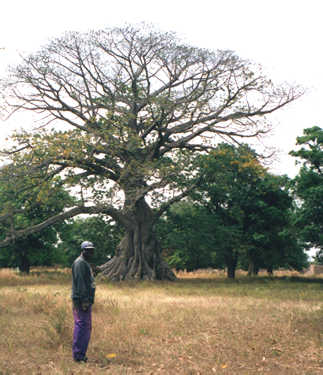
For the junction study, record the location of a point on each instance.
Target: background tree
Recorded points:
(269, 228)
(117, 108)
(21, 210)
(309, 186)
(186, 233)
(250, 211)
(229, 175)
(102, 232)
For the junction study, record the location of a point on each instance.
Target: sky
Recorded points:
(284, 36)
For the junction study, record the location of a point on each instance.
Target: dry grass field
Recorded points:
(201, 324)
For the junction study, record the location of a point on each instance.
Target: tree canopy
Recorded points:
(251, 210)
(118, 112)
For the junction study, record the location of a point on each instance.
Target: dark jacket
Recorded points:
(83, 285)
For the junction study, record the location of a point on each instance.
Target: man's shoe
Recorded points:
(80, 359)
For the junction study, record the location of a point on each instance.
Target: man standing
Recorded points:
(83, 292)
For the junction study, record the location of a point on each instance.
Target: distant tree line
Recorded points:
(238, 216)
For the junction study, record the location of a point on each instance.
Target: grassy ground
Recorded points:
(201, 324)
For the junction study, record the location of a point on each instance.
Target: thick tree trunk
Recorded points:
(138, 256)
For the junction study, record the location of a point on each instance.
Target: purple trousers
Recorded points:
(82, 332)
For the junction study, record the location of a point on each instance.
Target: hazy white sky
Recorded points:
(285, 36)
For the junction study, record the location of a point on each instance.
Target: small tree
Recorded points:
(123, 104)
(273, 240)
(308, 186)
(23, 210)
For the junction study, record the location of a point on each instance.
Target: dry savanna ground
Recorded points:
(201, 324)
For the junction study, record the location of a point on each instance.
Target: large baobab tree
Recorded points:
(120, 111)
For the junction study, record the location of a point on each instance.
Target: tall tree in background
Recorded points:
(230, 176)
(309, 186)
(271, 238)
(249, 211)
(119, 110)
